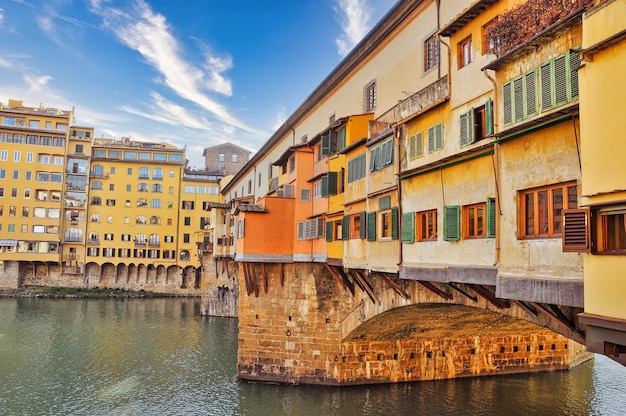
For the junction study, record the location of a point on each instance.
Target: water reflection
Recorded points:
(158, 356)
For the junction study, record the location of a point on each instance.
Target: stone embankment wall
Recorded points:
(220, 287)
(144, 277)
(298, 324)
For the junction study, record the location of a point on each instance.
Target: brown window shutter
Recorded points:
(576, 226)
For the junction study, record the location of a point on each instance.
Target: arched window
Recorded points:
(94, 218)
(157, 173)
(95, 200)
(142, 187)
(98, 171)
(157, 187)
(73, 235)
(94, 237)
(96, 185)
(140, 239)
(154, 240)
(142, 202)
(140, 219)
(155, 203)
(144, 173)
(155, 220)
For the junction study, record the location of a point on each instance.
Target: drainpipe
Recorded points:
(397, 133)
(449, 64)
(495, 158)
(438, 4)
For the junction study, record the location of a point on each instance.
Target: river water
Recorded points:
(159, 357)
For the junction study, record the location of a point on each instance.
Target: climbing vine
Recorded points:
(522, 22)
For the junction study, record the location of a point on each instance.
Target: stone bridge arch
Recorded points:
(295, 318)
(376, 293)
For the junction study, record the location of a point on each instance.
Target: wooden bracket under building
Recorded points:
(435, 289)
(395, 286)
(490, 297)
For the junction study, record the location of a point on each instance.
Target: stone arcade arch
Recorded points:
(172, 273)
(161, 275)
(108, 273)
(122, 273)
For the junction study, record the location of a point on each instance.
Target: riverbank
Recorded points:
(75, 293)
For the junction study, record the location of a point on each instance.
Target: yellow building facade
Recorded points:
(601, 231)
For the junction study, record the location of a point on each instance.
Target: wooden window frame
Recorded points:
(475, 226)
(554, 226)
(421, 232)
(369, 97)
(431, 53)
(357, 225)
(465, 53)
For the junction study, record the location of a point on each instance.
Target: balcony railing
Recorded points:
(423, 98)
(71, 256)
(73, 270)
(94, 174)
(205, 247)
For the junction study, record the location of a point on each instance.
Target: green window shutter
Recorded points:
(560, 80)
(470, 126)
(546, 86)
(489, 117)
(491, 217)
(324, 186)
(325, 145)
(452, 223)
(374, 158)
(332, 183)
(395, 231)
(507, 103)
(329, 231)
(384, 202)
(518, 99)
(363, 230)
(341, 139)
(371, 226)
(419, 143)
(439, 136)
(530, 92)
(408, 227)
(431, 139)
(463, 127)
(412, 147)
(574, 64)
(345, 227)
(387, 153)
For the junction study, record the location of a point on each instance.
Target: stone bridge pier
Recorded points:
(318, 324)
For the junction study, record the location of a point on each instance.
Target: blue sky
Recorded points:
(192, 73)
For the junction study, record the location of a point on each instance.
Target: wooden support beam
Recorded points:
(395, 286)
(462, 292)
(366, 286)
(336, 275)
(282, 275)
(558, 314)
(490, 297)
(435, 289)
(264, 276)
(527, 307)
(346, 279)
(255, 279)
(246, 276)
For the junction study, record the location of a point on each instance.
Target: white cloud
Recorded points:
(354, 18)
(279, 119)
(149, 34)
(167, 112)
(4, 63)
